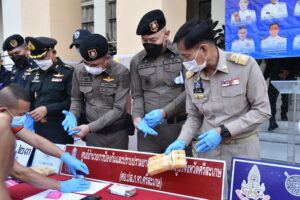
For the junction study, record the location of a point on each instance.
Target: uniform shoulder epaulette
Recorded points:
(235, 41)
(282, 36)
(297, 35)
(250, 39)
(68, 66)
(189, 74)
(282, 3)
(264, 38)
(266, 5)
(298, 2)
(239, 59)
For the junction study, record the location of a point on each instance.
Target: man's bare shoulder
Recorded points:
(4, 121)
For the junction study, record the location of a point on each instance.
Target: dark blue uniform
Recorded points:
(4, 77)
(20, 75)
(52, 89)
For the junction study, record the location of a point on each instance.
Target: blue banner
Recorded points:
(263, 28)
(258, 180)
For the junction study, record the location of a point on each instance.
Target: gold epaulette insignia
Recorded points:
(189, 74)
(239, 59)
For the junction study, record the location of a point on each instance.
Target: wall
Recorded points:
(218, 11)
(130, 12)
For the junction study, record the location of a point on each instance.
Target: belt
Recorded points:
(239, 140)
(112, 128)
(177, 119)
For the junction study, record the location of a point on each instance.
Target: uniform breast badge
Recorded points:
(108, 79)
(198, 90)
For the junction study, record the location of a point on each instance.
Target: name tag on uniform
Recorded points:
(231, 82)
(198, 87)
(56, 79)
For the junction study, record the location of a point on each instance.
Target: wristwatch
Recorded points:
(224, 132)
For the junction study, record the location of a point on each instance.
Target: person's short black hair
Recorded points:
(195, 32)
(243, 27)
(11, 94)
(274, 24)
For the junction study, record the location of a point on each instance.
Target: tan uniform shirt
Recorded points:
(236, 96)
(153, 85)
(105, 95)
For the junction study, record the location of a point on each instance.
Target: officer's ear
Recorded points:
(53, 52)
(167, 34)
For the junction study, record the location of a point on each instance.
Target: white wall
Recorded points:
(218, 11)
(100, 17)
(12, 21)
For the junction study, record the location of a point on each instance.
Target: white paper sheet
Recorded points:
(95, 187)
(64, 196)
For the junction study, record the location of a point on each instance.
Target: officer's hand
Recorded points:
(69, 122)
(208, 141)
(177, 145)
(83, 130)
(154, 117)
(143, 126)
(74, 185)
(74, 164)
(29, 123)
(39, 113)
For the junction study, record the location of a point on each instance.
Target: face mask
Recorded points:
(94, 70)
(44, 64)
(17, 121)
(153, 50)
(193, 65)
(20, 60)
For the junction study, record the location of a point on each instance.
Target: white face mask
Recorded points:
(193, 65)
(44, 64)
(94, 70)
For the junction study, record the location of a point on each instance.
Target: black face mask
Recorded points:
(153, 50)
(20, 60)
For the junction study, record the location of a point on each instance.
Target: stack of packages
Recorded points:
(161, 163)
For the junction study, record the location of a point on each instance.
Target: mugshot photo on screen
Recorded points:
(244, 16)
(274, 10)
(243, 45)
(274, 42)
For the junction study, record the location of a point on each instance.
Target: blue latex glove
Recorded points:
(29, 123)
(69, 122)
(74, 164)
(143, 126)
(208, 141)
(177, 145)
(153, 118)
(74, 185)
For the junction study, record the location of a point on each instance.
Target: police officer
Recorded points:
(102, 85)
(226, 99)
(157, 86)
(50, 88)
(279, 69)
(274, 10)
(297, 8)
(244, 16)
(243, 44)
(19, 53)
(296, 43)
(274, 42)
(4, 76)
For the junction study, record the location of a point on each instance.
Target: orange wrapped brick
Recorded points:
(161, 163)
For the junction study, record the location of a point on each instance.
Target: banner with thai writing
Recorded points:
(252, 179)
(263, 28)
(200, 179)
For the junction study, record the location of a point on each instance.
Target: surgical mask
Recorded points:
(20, 60)
(94, 70)
(153, 50)
(44, 64)
(193, 65)
(17, 121)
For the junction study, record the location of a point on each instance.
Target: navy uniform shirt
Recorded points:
(20, 75)
(4, 77)
(51, 88)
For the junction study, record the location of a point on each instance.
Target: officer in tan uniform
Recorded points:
(157, 86)
(226, 99)
(103, 86)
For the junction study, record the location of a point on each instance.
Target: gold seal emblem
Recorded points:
(108, 79)
(30, 46)
(92, 53)
(154, 26)
(13, 43)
